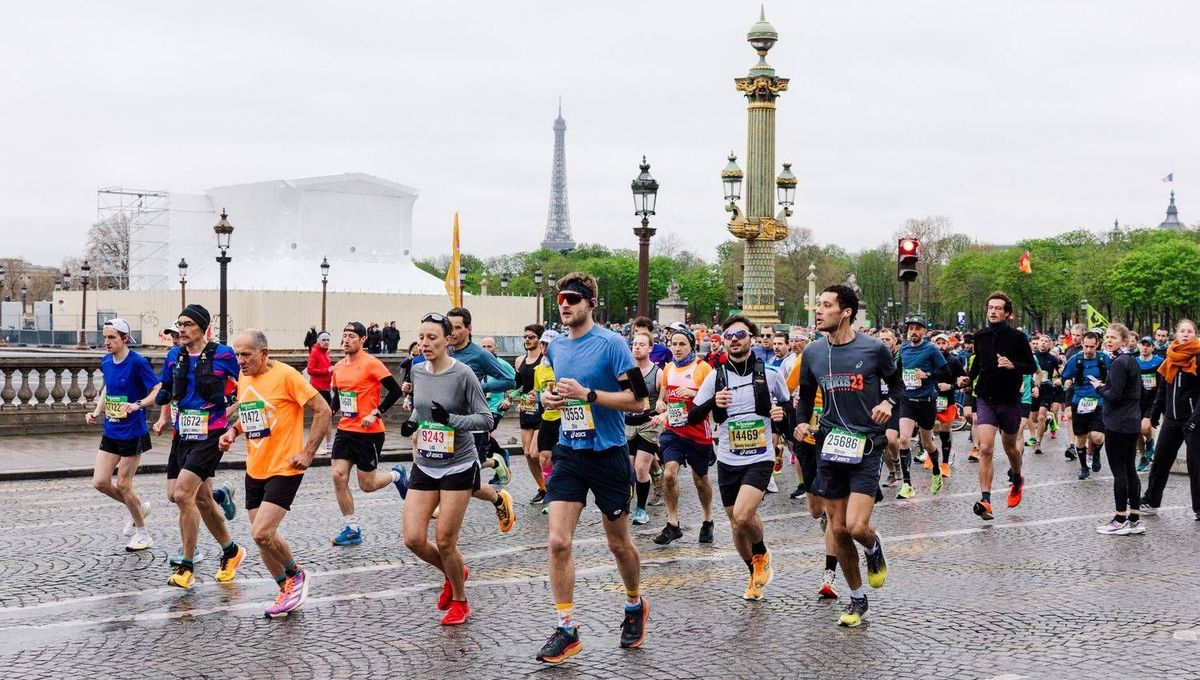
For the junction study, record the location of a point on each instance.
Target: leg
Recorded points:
(704, 490)
(340, 470)
(843, 542)
(564, 516)
(1013, 448)
(744, 519)
(418, 510)
(671, 491)
(905, 442)
(373, 480)
(188, 488)
(450, 518)
(106, 464)
(987, 444)
(529, 446)
(210, 512)
(264, 528)
(1170, 438)
(620, 544)
(1193, 465)
(126, 469)
(858, 519)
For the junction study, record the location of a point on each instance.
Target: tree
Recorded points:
(876, 276)
(108, 252)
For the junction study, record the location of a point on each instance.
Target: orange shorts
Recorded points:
(946, 417)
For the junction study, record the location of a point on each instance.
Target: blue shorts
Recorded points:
(607, 473)
(686, 452)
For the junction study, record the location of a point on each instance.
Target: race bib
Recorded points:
(114, 408)
(435, 441)
(748, 437)
(174, 413)
(843, 446)
(1149, 381)
(348, 402)
(911, 381)
(527, 405)
(253, 417)
(577, 420)
(1087, 405)
(677, 413)
(943, 403)
(193, 424)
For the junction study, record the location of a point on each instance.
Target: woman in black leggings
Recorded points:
(1122, 417)
(1177, 402)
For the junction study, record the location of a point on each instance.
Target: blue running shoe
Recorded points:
(226, 501)
(348, 536)
(402, 483)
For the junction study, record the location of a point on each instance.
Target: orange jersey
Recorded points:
(271, 417)
(358, 387)
(691, 378)
(793, 383)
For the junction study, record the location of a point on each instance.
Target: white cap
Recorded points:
(549, 336)
(173, 328)
(119, 325)
(941, 336)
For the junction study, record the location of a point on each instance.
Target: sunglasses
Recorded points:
(737, 335)
(434, 317)
(569, 298)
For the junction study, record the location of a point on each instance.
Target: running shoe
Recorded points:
(826, 592)
(197, 557)
(538, 497)
(633, 628)
(291, 596)
(1052, 424)
(920, 456)
(402, 483)
(1096, 458)
(706, 532)
(927, 463)
(457, 614)
(1150, 451)
(447, 593)
(798, 493)
(1070, 452)
(1116, 527)
(669, 533)
(855, 613)
(935, 484)
(504, 512)
(563, 644)
(1149, 511)
(763, 574)
(229, 565)
(640, 517)
(973, 456)
(945, 469)
(227, 505)
(1136, 527)
(1037, 451)
(876, 564)
(140, 541)
(349, 536)
(1084, 473)
(502, 476)
(778, 467)
(546, 509)
(1143, 464)
(656, 478)
(890, 481)
(129, 527)
(181, 577)
(1030, 443)
(772, 487)
(906, 491)
(984, 510)
(752, 591)
(1015, 491)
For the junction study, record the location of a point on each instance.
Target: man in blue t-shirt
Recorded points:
(922, 367)
(1086, 402)
(1148, 362)
(596, 382)
(130, 386)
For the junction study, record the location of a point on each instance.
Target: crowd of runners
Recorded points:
(619, 415)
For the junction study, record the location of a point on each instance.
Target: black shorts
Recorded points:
(924, 412)
(529, 420)
(607, 474)
(969, 402)
(279, 490)
(894, 422)
(467, 480)
(548, 435)
(686, 452)
(1087, 423)
(327, 395)
(360, 448)
(839, 480)
(639, 443)
(125, 448)
(1147, 404)
(198, 457)
(807, 455)
(731, 479)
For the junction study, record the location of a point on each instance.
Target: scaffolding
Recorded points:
(139, 220)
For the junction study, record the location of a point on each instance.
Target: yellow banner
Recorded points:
(1095, 319)
(452, 272)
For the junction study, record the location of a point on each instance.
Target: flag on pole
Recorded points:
(1023, 264)
(1169, 178)
(452, 272)
(1095, 319)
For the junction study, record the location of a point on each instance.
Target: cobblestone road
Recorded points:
(1037, 593)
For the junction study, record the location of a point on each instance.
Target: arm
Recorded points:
(480, 417)
(704, 402)
(1022, 358)
(499, 375)
(321, 422)
(91, 417)
(1115, 387)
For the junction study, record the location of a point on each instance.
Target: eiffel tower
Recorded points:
(558, 219)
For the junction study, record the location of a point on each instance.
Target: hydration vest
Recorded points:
(209, 386)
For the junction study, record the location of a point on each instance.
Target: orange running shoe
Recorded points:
(1014, 492)
(945, 470)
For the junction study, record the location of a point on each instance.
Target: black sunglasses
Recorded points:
(570, 298)
(433, 316)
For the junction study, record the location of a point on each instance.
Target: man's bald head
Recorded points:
(250, 346)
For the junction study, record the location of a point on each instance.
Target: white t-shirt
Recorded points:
(751, 432)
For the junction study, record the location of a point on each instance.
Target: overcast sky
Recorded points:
(1013, 119)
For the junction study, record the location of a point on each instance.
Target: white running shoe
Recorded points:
(141, 541)
(1114, 528)
(128, 530)
(771, 487)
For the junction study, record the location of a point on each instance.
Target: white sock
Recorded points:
(352, 521)
(395, 476)
(858, 593)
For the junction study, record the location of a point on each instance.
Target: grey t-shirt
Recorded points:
(436, 452)
(851, 386)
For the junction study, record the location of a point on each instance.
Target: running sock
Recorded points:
(945, 437)
(759, 548)
(499, 502)
(830, 563)
(291, 568)
(904, 464)
(643, 493)
(633, 598)
(229, 549)
(187, 564)
(395, 476)
(987, 496)
(566, 615)
(280, 579)
(858, 593)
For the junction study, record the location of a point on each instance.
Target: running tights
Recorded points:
(643, 492)
(1122, 453)
(1170, 438)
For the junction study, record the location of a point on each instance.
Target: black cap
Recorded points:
(917, 319)
(357, 328)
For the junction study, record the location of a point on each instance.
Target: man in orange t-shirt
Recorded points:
(357, 384)
(272, 397)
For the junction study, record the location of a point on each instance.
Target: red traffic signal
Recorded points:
(907, 256)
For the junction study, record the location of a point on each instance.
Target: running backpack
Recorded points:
(762, 393)
(1079, 369)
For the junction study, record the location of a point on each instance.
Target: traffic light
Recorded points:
(906, 259)
(740, 295)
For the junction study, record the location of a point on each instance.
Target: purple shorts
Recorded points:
(1007, 417)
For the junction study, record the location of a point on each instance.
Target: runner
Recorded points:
(849, 367)
(1074, 346)
(130, 385)
(922, 367)
(320, 373)
(1049, 399)
(659, 353)
(716, 350)
(1002, 357)
(448, 406)
(1162, 340)
(596, 380)
(358, 379)
(194, 377)
(1148, 363)
(969, 402)
(745, 398)
(682, 442)
(496, 377)
(1176, 405)
(272, 398)
(548, 429)
(1122, 395)
(891, 454)
(527, 406)
(946, 404)
(642, 430)
(1084, 413)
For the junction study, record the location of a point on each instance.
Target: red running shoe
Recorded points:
(444, 598)
(458, 613)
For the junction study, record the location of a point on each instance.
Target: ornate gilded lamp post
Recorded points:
(224, 231)
(645, 194)
(324, 287)
(757, 227)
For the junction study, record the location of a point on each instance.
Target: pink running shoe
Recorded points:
(293, 594)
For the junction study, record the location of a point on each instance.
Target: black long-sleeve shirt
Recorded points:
(997, 385)
(1122, 394)
(850, 377)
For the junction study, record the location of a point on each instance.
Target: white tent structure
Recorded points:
(283, 229)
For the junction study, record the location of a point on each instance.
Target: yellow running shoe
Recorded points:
(855, 613)
(504, 511)
(229, 565)
(763, 574)
(876, 564)
(753, 592)
(181, 577)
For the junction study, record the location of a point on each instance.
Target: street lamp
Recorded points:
(85, 272)
(504, 283)
(552, 288)
(224, 232)
(24, 292)
(603, 316)
(781, 303)
(1083, 311)
(1, 278)
(537, 281)
(785, 189)
(324, 287)
(645, 195)
(183, 265)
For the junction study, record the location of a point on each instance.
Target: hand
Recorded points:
(406, 388)
(883, 412)
(724, 398)
(159, 425)
(301, 461)
(921, 375)
(408, 428)
(803, 431)
(660, 420)
(406, 405)
(227, 439)
(1004, 362)
(684, 392)
(552, 401)
(368, 420)
(131, 406)
(944, 387)
(1095, 381)
(1034, 391)
(505, 404)
(568, 388)
(777, 414)
(439, 413)
(90, 417)
(962, 381)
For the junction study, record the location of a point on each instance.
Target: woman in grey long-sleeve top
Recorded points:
(448, 404)
(1122, 393)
